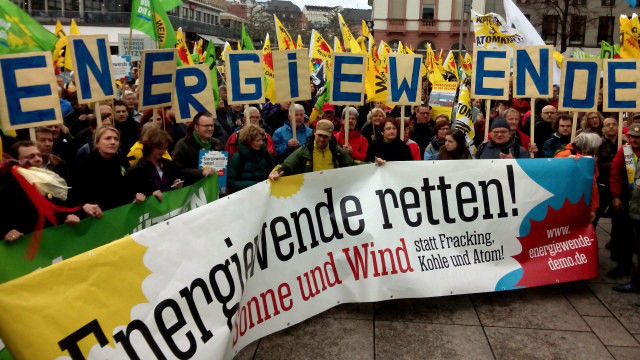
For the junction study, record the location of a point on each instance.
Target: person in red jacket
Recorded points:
(358, 144)
(251, 116)
(621, 194)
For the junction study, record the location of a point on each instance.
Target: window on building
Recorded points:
(396, 9)
(198, 15)
(428, 10)
(185, 12)
(605, 28)
(455, 9)
(608, 2)
(191, 14)
(549, 29)
(578, 27)
(579, 2)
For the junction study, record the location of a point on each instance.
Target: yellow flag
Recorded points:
(433, 71)
(467, 64)
(225, 48)
(629, 47)
(365, 29)
(400, 49)
(299, 44)
(61, 46)
(375, 84)
(337, 45)
(450, 64)
(269, 77)
(73, 30)
(464, 118)
(383, 50)
(285, 42)
(350, 42)
(319, 48)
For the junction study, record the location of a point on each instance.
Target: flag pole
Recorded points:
(347, 124)
(486, 119)
(96, 109)
(532, 125)
(574, 126)
(32, 134)
(402, 123)
(620, 117)
(293, 121)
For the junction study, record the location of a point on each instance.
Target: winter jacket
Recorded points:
(358, 143)
(248, 167)
(231, 146)
(395, 150)
(301, 160)
(618, 182)
(143, 177)
(282, 136)
(415, 149)
(101, 181)
(491, 150)
(186, 155)
(431, 153)
(555, 143)
(423, 133)
(135, 153)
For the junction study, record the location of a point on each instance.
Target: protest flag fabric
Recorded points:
(170, 4)
(245, 40)
(198, 52)
(349, 42)
(73, 30)
(61, 46)
(433, 71)
(150, 17)
(375, 81)
(337, 45)
(464, 113)
(629, 47)
(365, 29)
(183, 51)
(467, 65)
(210, 59)
(299, 44)
(450, 65)
(285, 42)
(383, 51)
(269, 74)
(319, 48)
(21, 33)
(609, 51)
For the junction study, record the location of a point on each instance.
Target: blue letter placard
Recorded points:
(579, 85)
(93, 70)
(244, 71)
(404, 84)
(490, 77)
(193, 92)
(347, 80)
(157, 78)
(621, 85)
(533, 72)
(28, 91)
(291, 73)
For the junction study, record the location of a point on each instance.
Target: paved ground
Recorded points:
(580, 320)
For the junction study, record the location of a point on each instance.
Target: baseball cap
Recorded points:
(327, 107)
(634, 130)
(324, 127)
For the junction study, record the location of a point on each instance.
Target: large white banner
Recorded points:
(206, 283)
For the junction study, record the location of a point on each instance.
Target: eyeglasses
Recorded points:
(206, 126)
(548, 112)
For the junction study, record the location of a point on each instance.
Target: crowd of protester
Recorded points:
(131, 155)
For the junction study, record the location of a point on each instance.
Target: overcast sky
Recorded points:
(358, 4)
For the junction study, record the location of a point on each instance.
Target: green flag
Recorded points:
(19, 32)
(608, 51)
(245, 40)
(170, 4)
(150, 17)
(210, 59)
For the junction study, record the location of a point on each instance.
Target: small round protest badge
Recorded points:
(562, 247)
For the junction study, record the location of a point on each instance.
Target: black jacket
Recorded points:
(392, 151)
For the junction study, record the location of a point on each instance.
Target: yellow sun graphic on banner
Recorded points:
(286, 186)
(78, 291)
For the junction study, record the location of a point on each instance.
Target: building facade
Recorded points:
(112, 17)
(419, 22)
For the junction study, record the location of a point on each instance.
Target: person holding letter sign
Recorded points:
(283, 138)
(357, 145)
(187, 150)
(501, 145)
